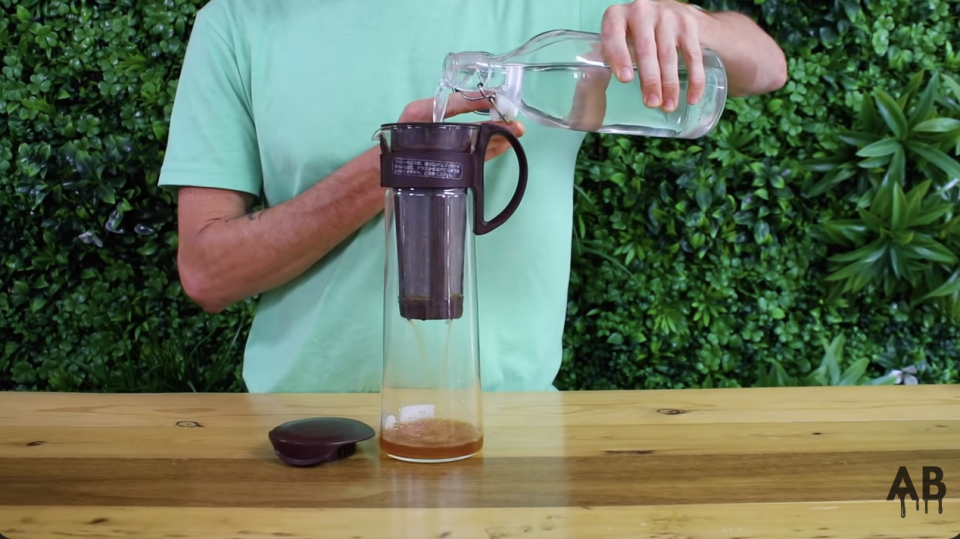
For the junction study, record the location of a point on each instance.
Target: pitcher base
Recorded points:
(430, 461)
(432, 440)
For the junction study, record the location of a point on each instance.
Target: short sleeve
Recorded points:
(212, 138)
(591, 13)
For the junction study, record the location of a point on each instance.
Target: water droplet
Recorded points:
(113, 224)
(144, 230)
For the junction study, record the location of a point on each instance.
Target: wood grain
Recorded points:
(729, 463)
(528, 441)
(614, 480)
(860, 520)
(566, 409)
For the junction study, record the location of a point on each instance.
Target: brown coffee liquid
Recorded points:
(431, 439)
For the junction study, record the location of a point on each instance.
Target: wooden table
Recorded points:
(729, 463)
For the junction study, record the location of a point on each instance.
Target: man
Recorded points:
(282, 97)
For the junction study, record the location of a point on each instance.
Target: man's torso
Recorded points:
(323, 76)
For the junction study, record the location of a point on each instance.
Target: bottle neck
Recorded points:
(467, 71)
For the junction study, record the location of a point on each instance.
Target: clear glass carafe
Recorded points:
(431, 393)
(560, 79)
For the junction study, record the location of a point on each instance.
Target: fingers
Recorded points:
(655, 31)
(667, 56)
(499, 145)
(496, 148)
(459, 104)
(644, 31)
(693, 57)
(421, 110)
(613, 34)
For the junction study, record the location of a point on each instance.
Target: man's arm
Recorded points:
(227, 254)
(754, 62)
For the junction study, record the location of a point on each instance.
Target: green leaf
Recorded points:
(830, 181)
(869, 117)
(915, 199)
(874, 162)
(852, 9)
(929, 250)
(902, 237)
(930, 215)
(704, 197)
(939, 159)
(927, 97)
(872, 222)
(824, 164)
(892, 113)
(854, 372)
(896, 172)
(106, 194)
(885, 380)
(761, 230)
(949, 287)
(832, 355)
(858, 138)
(880, 148)
(868, 254)
(37, 303)
(898, 208)
(952, 84)
(883, 198)
(898, 263)
(912, 86)
(851, 230)
(937, 125)
(23, 14)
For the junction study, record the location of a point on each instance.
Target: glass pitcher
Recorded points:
(431, 393)
(560, 79)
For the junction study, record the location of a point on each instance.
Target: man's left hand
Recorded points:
(651, 31)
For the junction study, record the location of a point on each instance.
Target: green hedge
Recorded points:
(789, 247)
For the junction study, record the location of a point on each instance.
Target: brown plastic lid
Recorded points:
(312, 441)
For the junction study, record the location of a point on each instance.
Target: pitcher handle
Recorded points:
(488, 131)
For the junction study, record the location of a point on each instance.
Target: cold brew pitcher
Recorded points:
(431, 393)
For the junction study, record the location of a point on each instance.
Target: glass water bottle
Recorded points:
(559, 79)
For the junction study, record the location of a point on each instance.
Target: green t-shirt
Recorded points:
(275, 95)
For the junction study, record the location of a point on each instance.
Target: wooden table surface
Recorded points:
(811, 463)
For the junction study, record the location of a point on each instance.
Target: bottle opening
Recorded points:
(460, 69)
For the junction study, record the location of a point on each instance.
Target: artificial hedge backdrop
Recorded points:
(813, 238)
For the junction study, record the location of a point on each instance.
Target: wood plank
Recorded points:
(839, 520)
(612, 480)
(501, 442)
(663, 407)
